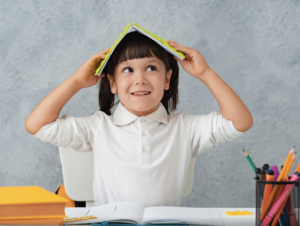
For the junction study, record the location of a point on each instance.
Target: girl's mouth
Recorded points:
(140, 94)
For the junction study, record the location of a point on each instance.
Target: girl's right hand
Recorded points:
(85, 74)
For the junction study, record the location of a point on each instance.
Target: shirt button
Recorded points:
(142, 120)
(144, 134)
(144, 150)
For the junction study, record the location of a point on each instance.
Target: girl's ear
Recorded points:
(168, 79)
(112, 84)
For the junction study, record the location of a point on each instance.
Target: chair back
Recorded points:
(78, 174)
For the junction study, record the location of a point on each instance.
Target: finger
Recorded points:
(106, 50)
(183, 49)
(171, 43)
(99, 55)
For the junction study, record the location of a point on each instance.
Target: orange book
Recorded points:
(29, 204)
(34, 221)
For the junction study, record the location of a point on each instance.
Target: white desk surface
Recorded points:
(247, 220)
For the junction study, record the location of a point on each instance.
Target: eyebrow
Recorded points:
(148, 61)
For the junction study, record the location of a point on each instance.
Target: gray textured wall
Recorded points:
(252, 45)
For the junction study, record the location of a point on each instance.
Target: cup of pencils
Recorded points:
(277, 193)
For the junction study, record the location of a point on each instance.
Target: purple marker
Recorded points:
(276, 172)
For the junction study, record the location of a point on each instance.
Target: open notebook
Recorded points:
(134, 213)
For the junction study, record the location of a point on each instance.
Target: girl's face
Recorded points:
(143, 74)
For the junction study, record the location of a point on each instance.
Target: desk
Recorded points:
(248, 220)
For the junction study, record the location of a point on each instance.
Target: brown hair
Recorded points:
(135, 45)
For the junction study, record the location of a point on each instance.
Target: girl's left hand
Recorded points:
(194, 63)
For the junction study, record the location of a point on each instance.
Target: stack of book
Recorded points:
(31, 205)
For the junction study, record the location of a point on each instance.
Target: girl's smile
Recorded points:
(142, 95)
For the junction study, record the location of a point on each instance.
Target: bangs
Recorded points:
(133, 46)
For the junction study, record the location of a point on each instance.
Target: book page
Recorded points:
(183, 215)
(123, 211)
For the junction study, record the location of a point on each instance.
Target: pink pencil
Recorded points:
(285, 192)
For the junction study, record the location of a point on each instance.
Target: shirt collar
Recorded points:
(122, 116)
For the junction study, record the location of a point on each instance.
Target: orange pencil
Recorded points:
(276, 187)
(298, 167)
(268, 189)
(275, 220)
(286, 174)
(290, 206)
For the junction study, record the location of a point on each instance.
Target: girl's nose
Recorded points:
(141, 82)
(141, 79)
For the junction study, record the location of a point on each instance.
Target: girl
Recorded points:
(141, 151)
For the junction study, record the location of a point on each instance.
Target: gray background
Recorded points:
(252, 45)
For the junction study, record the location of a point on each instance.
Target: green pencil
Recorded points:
(249, 160)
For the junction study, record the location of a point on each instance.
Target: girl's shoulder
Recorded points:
(101, 115)
(187, 118)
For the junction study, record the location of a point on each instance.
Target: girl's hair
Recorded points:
(135, 45)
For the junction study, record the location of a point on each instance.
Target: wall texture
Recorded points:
(252, 45)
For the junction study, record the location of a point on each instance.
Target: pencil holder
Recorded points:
(290, 213)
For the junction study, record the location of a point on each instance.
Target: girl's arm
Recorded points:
(49, 108)
(231, 106)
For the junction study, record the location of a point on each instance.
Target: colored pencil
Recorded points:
(283, 196)
(277, 188)
(268, 189)
(249, 160)
(275, 220)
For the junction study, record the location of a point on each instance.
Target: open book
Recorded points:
(134, 213)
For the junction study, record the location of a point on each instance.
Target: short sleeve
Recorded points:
(68, 131)
(209, 130)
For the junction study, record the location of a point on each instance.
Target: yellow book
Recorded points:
(30, 202)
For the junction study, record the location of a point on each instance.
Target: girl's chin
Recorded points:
(144, 107)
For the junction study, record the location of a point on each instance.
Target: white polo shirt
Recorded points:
(140, 159)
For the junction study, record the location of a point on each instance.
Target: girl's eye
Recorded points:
(129, 68)
(152, 67)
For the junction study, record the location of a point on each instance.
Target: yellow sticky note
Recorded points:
(68, 220)
(238, 213)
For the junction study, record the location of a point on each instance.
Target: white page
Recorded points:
(188, 215)
(109, 212)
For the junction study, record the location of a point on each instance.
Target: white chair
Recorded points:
(77, 169)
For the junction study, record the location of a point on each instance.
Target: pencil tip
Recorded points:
(243, 150)
(292, 150)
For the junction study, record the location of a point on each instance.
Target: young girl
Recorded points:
(141, 151)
